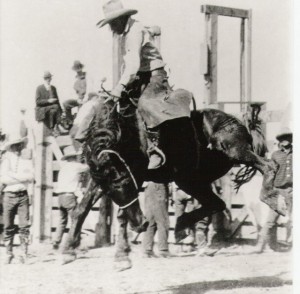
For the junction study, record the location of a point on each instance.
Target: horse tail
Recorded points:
(253, 124)
(243, 176)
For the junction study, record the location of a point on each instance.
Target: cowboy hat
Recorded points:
(15, 141)
(70, 151)
(113, 9)
(77, 65)
(47, 74)
(285, 135)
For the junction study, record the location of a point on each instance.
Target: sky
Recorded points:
(39, 35)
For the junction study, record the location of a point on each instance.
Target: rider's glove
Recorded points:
(117, 92)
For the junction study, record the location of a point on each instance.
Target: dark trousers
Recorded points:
(68, 105)
(52, 115)
(268, 235)
(67, 203)
(156, 212)
(13, 204)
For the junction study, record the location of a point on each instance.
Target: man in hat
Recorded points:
(283, 182)
(80, 87)
(145, 76)
(48, 109)
(68, 186)
(16, 173)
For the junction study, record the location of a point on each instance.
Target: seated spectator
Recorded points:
(80, 89)
(48, 109)
(156, 212)
(284, 184)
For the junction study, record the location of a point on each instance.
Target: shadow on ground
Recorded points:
(204, 287)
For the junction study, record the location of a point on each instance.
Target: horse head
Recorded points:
(110, 134)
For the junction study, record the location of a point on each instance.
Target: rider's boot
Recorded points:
(9, 251)
(157, 157)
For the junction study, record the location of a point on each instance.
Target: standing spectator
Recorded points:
(284, 184)
(156, 212)
(48, 109)
(16, 174)
(68, 185)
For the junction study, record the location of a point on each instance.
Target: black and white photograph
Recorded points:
(146, 146)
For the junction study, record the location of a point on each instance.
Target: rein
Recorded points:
(128, 169)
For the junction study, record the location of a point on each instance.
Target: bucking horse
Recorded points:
(115, 149)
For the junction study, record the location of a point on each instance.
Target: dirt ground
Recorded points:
(231, 271)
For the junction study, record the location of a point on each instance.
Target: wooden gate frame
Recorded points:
(210, 76)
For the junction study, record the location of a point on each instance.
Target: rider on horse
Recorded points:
(144, 76)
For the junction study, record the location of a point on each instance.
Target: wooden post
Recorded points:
(249, 56)
(242, 67)
(42, 200)
(102, 229)
(212, 69)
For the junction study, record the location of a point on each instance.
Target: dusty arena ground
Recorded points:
(231, 271)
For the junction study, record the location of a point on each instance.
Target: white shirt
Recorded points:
(69, 176)
(140, 52)
(16, 172)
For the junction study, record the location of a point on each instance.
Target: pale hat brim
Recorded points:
(15, 142)
(74, 154)
(114, 15)
(285, 136)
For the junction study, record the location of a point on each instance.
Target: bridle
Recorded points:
(128, 169)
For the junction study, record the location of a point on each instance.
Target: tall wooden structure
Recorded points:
(212, 14)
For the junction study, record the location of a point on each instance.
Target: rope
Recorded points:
(128, 169)
(127, 205)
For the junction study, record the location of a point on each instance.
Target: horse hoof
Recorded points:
(122, 265)
(180, 235)
(68, 258)
(180, 228)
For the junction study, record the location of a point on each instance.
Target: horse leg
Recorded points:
(122, 260)
(78, 216)
(210, 204)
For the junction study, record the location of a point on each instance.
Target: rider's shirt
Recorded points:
(139, 51)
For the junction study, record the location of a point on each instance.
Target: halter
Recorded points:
(128, 169)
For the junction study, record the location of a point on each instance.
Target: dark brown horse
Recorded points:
(115, 149)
